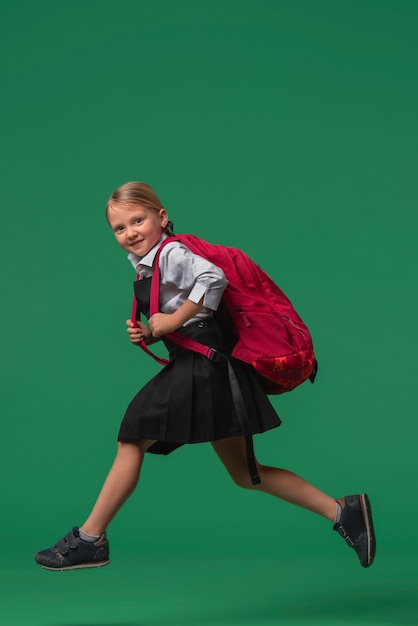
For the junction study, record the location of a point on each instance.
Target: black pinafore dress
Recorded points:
(190, 399)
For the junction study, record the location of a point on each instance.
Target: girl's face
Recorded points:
(137, 229)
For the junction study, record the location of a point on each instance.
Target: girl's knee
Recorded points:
(233, 455)
(242, 479)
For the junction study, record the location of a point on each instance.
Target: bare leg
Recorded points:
(118, 486)
(277, 482)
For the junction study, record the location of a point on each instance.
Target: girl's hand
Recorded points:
(136, 335)
(163, 323)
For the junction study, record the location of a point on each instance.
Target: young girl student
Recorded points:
(190, 400)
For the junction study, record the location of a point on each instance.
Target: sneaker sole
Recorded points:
(368, 522)
(71, 567)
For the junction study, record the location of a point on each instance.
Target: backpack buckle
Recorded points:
(214, 355)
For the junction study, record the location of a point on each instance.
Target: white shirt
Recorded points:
(183, 276)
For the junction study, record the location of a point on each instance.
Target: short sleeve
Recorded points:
(192, 274)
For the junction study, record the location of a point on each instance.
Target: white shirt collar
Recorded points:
(148, 258)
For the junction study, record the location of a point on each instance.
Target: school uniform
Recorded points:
(190, 399)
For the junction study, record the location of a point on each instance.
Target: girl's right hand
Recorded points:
(138, 334)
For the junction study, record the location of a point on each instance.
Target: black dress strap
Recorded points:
(239, 404)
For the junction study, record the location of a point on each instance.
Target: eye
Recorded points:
(138, 220)
(118, 229)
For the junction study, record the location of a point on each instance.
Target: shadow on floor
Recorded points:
(391, 607)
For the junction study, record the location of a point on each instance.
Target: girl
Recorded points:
(189, 400)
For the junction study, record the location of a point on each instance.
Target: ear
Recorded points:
(163, 218)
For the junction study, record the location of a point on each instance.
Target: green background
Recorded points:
(288, 129)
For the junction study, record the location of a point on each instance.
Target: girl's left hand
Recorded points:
(162, 323)
(138, 333)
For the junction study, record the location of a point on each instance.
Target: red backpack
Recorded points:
(271, 335)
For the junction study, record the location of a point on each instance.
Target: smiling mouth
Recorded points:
(136, 243)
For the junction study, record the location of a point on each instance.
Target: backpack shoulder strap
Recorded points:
(177, 338)
(143, 345)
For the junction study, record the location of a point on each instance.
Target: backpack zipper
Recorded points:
(300, 331)
(244, 317)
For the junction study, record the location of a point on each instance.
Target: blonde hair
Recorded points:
(133, 194)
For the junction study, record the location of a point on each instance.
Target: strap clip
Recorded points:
(213, 355)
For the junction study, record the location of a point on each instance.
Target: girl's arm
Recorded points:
(184, 272)
(163, 323)
(190, 274)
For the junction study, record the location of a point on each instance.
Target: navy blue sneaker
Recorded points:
(72, 552)
(356, 527)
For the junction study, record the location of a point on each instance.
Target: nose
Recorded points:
(131, 233)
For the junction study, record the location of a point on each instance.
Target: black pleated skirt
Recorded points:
(190, 400)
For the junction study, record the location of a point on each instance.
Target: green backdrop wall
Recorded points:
(288, 129)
